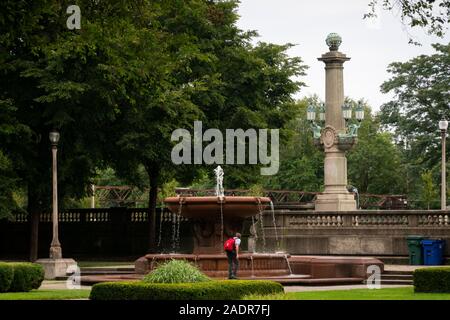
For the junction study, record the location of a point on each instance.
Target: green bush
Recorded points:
(6, 276)
(176, 271)
(211, 290)
(27, 276)
(432, 279)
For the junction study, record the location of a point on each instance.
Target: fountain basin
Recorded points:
(214, 219)
(210, 208)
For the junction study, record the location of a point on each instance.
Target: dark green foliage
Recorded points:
(176, 271)
(371, 161)
(432, 280)
(27, 276)
(211, 290)
(420, 87)
(6, 276)
(117, 88)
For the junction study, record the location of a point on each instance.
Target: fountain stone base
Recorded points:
(213, 220)
(216, 265)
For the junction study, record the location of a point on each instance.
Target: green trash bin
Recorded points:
(415, 250)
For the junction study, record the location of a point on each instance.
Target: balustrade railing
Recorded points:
(363, 219)
(133, 215)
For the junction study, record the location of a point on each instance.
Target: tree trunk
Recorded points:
(33, 215)
(153, 173)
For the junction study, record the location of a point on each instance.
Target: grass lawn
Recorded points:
(405, 293)
(46, 295)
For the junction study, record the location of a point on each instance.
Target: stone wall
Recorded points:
(365, 232)
(122, 232)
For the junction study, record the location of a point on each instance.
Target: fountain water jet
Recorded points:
(160, 225)
(272, 209)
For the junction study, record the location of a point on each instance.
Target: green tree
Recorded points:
(55, 78)
(375, 163)
(429, 192)
(211, 72)
(421, 89)
(301, 162)
(117, 88)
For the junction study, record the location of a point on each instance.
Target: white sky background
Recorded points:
(371, 44)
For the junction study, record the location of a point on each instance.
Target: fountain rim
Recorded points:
(215, 199)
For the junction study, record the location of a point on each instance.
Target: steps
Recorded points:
(97, 271)
(400, 277)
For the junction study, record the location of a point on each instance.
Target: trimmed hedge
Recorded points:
(6, 276)
(20, 277)
(432, 279)
(211, 290)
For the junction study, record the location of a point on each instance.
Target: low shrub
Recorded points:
(176, 271)
(6, 276)
(27, 276)
(432, 279)
(210, 290)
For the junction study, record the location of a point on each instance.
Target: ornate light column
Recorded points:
(335, 138)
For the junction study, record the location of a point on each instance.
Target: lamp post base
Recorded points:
(55, 268)
(55, 252)
(335, 202)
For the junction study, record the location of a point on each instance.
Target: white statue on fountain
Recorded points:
(219, 182)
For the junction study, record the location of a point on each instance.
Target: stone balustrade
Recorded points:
(407, 218)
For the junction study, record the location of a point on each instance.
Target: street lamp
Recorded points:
(56, 266)
(347, 112)
(311, 113)
(443, 125)
(359, 112)
(55, 247)
(311, 117)
(322, 112)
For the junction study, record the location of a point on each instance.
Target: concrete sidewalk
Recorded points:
(332, 288)
(57, 285)
(398, 267)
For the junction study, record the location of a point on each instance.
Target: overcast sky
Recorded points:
(372, 45)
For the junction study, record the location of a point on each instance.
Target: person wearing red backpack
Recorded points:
(231, 247)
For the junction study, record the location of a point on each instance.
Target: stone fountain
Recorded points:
(213, 220)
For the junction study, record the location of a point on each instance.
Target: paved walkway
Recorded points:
(332, 288)
(57, 285)
(398, 267)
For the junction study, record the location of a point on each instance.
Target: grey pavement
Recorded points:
(57, 285)
(332, 288)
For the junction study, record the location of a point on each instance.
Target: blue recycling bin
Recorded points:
(433, 252)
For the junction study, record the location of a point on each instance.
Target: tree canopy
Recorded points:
(421, 88)
(117, 88)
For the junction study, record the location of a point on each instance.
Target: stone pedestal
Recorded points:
(335, 202)
(55, 268)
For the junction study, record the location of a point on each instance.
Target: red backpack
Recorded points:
(229, 245)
